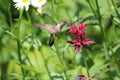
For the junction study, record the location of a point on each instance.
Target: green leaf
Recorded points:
(61, 66)
(10, 33)
(58, 77)
(97, 67)
(27, 68)
(116, 21)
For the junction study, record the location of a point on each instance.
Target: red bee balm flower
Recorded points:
(79, 39)
(81, 77)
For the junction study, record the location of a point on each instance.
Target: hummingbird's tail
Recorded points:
(52, 39)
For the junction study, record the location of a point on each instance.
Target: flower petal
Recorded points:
(82, 26)
(87, 42)
(73, 29)
(78, 48)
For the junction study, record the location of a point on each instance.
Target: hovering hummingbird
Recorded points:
(53, 29)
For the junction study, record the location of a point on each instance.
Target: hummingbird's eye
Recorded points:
(65, 21)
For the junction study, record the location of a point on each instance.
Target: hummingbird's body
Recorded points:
(53, 29)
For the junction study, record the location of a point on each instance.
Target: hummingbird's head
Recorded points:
(64, 21)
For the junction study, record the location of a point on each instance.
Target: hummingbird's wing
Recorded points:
(47, 27)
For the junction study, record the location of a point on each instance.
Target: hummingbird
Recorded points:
(54, 30)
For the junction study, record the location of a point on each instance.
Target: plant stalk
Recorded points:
(46, 65)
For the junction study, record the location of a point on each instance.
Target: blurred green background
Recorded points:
(103, 57)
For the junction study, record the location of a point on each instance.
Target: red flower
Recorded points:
(81, 77)
(79, 39)
(77, 31)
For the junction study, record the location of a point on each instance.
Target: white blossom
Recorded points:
(19, 4)
(41, 10)
(38, 3)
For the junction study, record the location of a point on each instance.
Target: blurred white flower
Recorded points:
(19, 4)
(41, 10)
(38, 3)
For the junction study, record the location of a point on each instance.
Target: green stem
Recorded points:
(70, 19)
(63, 65)
(18, 42)
(98, 17)
(3, 70)
(46, 66)
(102, 30)
(19, 52)
(59, 57)
(105, 50)
(115, 9)
(52, 9)
(26, 55)
(92, 8)
(37, 75)
(28, 16)
(19, 22)
(66, 10)
(19, 57)
(85, 61)
(10, 17)
(29, 19)
(18, 33)
(100, 21)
